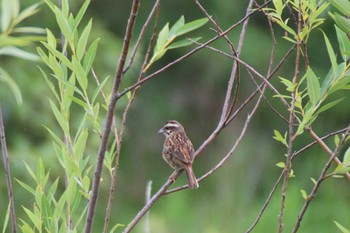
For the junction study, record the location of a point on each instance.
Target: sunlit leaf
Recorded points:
(83, 40)
(303, 194)
(341, 228)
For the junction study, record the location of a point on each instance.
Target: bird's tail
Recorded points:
(191, 178)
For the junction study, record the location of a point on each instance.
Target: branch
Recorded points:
(109, 117)
(325, 148)
(320, 179)
(288, 166)
(5, 157)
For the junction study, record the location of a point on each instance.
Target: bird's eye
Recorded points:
(167, 128)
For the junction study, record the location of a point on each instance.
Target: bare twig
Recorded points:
(138, 42)
(109, 117)
(5, 157)
(267, 202)
(320, 179)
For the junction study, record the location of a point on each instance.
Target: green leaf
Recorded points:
(162, 39)
(331, 55)
(344, 44)
(278, 137)
(179, 23)
(83, 41)
(7, 79)
(115, 227)
(341, 5)
(328, 106)
(26, 187)
(16, 52)
(290, 85)
(193, 25)
(313, 180)
(6, 219)
(81, 13)
(63, 24)
(9, 11)
(80, 73)
(80, 145)
(346, 159)
(35, 219)
(303, 194)
(90, 55)
(313, 86)
(342, 22)
(281, 165)
(29, 11)
(59, 55)
(60, 118)
(341, 228)
(183, 43)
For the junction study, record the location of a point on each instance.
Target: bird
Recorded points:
(178, 150)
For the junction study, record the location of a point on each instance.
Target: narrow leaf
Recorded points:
(183, 43)
(331, 55)
(179, 23)
(188, 27)
(59, 117)
(342, 5)
(83, 41)
(313, 87)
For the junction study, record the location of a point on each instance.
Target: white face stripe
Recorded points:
(172, 125)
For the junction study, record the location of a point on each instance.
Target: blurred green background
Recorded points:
(191, 92)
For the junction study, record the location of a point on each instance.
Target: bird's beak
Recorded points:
(161, 130)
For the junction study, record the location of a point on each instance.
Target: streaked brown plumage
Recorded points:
(178, 150)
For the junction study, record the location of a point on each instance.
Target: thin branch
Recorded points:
(143, 30)
(109, 117)
(325, 148)
(288, 166)
(267, 202)
(297, 153)
(320, 179)
(5, 157)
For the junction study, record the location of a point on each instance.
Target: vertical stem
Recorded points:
(7, 173)
(288, 166)
(109, 117)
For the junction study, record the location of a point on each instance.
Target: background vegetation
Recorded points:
(191, 92)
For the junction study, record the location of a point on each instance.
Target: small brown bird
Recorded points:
(178, 150)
